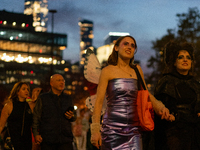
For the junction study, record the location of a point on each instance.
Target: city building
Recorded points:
(113, 36)
(39, 10)
(86, 37)
(27, 55)
(104, 52)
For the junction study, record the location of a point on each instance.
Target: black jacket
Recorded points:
(181, 95)
(168, 87)
(49, 118)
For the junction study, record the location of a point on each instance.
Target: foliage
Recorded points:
(188, 29)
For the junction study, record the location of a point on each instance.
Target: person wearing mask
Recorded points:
(80, 129)
(52, 117)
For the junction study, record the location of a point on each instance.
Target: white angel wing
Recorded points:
(92, 67)
(92, 71)
(90, 102)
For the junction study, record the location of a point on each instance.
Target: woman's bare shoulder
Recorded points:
(8, 103)
(108, 69)
(8, 106)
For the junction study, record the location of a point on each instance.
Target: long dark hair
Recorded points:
(13, 94)
(113, 58)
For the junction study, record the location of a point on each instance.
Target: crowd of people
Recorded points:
(48, 121)
(40, 122)
(175, 101)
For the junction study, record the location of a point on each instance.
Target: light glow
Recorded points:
(14, 23)
(118, 33)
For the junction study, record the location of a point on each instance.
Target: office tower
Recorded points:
(26, 55)
(113, 36)
(39, 10)
(86, 36)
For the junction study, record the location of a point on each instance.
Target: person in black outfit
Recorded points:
(18, 116)
(52, 117)
(180, 93)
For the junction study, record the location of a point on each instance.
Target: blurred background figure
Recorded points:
(32, 101)
(80, 128)
(34, 96)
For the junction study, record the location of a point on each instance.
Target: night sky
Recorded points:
(145, 20)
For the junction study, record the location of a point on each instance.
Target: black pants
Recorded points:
(64, 146)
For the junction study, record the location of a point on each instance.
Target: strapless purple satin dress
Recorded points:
(120, 130)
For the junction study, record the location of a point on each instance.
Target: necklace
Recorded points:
(126, 72)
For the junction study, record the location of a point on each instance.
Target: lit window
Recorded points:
(85, 88)
(54, 62)
(91, 36)
(66, 69)
(42, 23)
(11, 38)
(62, 47)
(62, 62)
(14, 23)
(20, 35)
(2, 33)
(23, 24)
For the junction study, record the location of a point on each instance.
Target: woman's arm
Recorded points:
(158, 106)
(101, 91)
(5, 113)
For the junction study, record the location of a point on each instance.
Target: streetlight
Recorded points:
(52, 11)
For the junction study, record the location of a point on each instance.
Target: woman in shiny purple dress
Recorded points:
(120, 128)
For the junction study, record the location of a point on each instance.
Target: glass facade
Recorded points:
(39, 10)
(86, 37)
(26, 55)
(31, 47)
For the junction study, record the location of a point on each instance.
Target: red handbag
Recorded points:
(144, 105)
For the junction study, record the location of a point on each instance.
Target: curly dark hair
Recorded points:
(171, 52)
(113, 58)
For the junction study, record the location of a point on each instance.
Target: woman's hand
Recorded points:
(38, 139)
(164, 113)
(95, 135)
(96, 139)
(161, 110)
